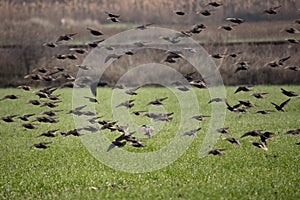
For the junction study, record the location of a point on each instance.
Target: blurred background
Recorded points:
(28, 24)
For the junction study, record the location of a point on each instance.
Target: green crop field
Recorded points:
(66, 170)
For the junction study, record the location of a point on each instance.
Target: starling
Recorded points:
(216, 152)
(288, 93)
(9, 118)
(192, 132)
(233, 141)
(157, 101)
(280, 107)
(148, 130)
(95, 32)
(41, 145)
(255, 133)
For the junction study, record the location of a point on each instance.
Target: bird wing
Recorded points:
(284, 103)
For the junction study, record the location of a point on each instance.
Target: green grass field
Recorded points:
(66, 170)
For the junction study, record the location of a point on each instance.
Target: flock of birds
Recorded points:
(49, 98)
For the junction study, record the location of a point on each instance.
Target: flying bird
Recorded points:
(288, 93)
(272, 10)
(94, 32)
(280, 107)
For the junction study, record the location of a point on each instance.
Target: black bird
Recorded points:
(9, 118)
(199, 84)
(293, 132)
(126, 104)
(25, 117)
(254, 133)
(233, 141)
(157, 101)
(109, 14)
(50, 44)
(227, 27)
(236, 108)
(95, 32)
(94, 44)
(278, 62)
(223, 130)
(259, 95)
(180, 13)
(113, 19)
(183, 88)
(214, 4)
(24, 87)
(51, 113)
(132, 91)
(192, 132)
(292, 30)
(143, 26)
(242, 88)
(235, 20)
(79, 50)
(280, 107)
(11, 96)
(65, 37)
(288, 93)
(41, 145)
(46, 120)
(74, 132)
(29, 126)
(293, 41)
(34, 102)
(52, 104)
(200, 117)
(272, 10)
(260, 145)
(51, 133)
(264, 112)
(204, 12)
(216, 152)
(91, 99)
(246, 103)
(138, 113)
(217, 100)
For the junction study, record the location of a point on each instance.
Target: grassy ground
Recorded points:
(66, 170)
